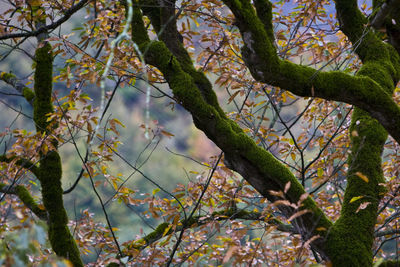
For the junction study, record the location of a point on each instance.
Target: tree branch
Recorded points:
(256, 165)
(387, 232)
(43, 29)
(24, 195)
(12, 80)
(197, 221)
(354, 25)
(370, 90)
(384, 11)
(23, 163)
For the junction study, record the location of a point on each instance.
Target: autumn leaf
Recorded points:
(362, 176)
(353, 199)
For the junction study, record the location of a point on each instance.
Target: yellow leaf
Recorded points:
(114, 185)
(155, 191)
(167, 230)
(119, 122)
(362, 176)
(355, 199)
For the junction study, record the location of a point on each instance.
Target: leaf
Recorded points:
(320, 172)
(228, 254)
(363, 206)
(118, 121)
(297, 214)
(355, 199)
(362, 176)
(287, 187)
(233, 96)
(155, 191)
(167, 230)
(168, 134)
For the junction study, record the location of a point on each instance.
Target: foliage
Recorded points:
(300, 97)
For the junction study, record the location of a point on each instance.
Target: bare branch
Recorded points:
(197, 221)
(44, 29)
(387, 232)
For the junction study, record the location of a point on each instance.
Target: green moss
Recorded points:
(139, 33)
(50, 169)
(64, 244)
(59, 235)
(28, 200)
(264, 13)
(159, 231)
(43, 86)
(353, 232)
(28, 94)
(150, 9)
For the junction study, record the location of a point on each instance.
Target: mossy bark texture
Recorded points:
(348, 241)
(49, 171)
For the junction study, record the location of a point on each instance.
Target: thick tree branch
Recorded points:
(12, 80)
(373, 95)
(354, 25)
(44, 29)
(387, 18)
(50, 168)
(23, 163)
(242, 154)
(374, 83)
(24, 195)
(197, 221)
(383, 13)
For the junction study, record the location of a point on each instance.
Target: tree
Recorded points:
(319, 177)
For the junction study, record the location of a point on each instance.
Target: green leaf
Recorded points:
(155, 191)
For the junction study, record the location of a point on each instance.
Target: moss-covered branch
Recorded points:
(242, 154)
(23, 194)
(354, 25)
(197, 221)
(370, 89)
(23, 163)
(12, 80)
(354, 231)
(362, 91)
(50, 169)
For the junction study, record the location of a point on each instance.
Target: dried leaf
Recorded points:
(362, 176)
